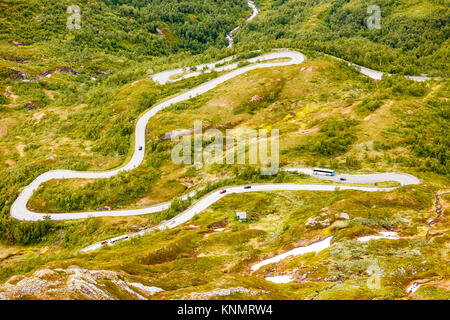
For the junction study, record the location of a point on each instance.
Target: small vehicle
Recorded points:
(140, 148)
(104, 242)
(247, 187)
(222, 191)
(342, 179)
(323, 172)
(121, 238)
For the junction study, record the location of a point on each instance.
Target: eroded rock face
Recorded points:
(221, 293)
(325, 219)
(318, 222)
(75, 283)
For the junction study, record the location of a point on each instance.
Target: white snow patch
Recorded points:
(413, 288)
(384, 235)
(280, 279)
(315, 247)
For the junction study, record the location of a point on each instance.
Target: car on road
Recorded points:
(222, 191)
(247, 187)
(104, 242)
(342, 179)
(140, 148)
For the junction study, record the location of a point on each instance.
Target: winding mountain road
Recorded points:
(19, 208)
(215, 196)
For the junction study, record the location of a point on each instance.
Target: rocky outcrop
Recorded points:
(321, 221)
(221, 293)
(325, 219)
(75, 283)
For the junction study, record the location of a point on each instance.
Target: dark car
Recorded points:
(140, 148)
(247, 187)
(342, 179)
(222, 191)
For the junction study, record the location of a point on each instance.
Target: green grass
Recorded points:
(392, 125)
(195, 258)
(329, 117)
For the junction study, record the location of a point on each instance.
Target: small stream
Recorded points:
(229, 35)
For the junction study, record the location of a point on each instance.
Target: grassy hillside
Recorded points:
(71, 99)
(215, 251)
(128, 28)
(413, 38)
(327, 114)
(379, 128)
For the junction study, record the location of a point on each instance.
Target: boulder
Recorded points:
(316, 222)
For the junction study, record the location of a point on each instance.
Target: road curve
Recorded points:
(211, 198)
(402, 178)
(19, 208)
(378, 75)
(215, 196)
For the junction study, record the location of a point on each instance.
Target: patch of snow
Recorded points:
(413, 288)
(344, 216)
(315, 247)
(384, 235)
(280, 279)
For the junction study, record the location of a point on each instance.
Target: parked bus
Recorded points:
(324, 172)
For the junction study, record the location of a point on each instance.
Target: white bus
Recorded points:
(323, 172)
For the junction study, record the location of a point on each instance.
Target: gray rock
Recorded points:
(314, 222)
